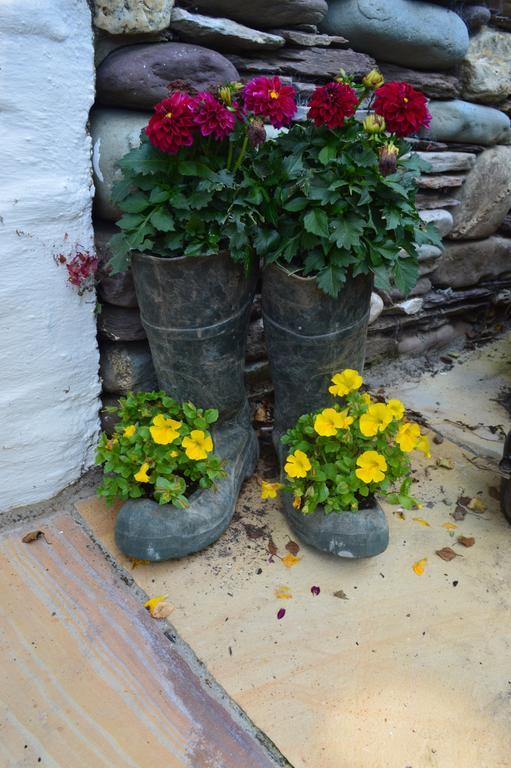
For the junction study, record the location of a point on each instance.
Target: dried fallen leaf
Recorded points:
(467, 541)
(342, 594)
(281, 613)
(459, 513)
(272, 547)
(292, 547)
(33, 536)
(445, 463)
(399, 513)
(153, 603)
(449, 526)
(421, 521)
(463, 500)
(477, 505)
(315, 591)
(162, 610)
(282, 593)
(418, 567)
(254, 531)
(290, 560)
(135, 562)
(494, 492)
(447, 553)
(261, 414)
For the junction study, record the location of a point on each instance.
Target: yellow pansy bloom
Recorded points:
(197, 445)
(371, 467)
(141, 476)
(164, 431)
(423, 445)
(396, 408)
(297, 464)
(345, 382)
(129, 431)
(366, 398)
(377, 419)
(329, 421)
(408, 436)
(269, 490)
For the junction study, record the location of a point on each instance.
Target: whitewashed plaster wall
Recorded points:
(49, 382)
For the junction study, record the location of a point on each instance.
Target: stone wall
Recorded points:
(458, 53)
(49, 384)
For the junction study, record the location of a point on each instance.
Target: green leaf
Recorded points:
(329, 152)
(406, 274)
(162, 220)
(135, 203)
(296, 204)
(316, 222)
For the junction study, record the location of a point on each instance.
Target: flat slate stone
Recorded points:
(221, 34)
(137, 76)
(441, 162)
(440, 181)
(427, 201)
(120, 324)
(295, 37)
(467, 263)
(486, 196)
(461, 121)
(263, 14)
(126, 366)
(319, 63)
(436, 85)
(406, 32)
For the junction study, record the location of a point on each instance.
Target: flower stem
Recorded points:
(229, 156)
(242, 153)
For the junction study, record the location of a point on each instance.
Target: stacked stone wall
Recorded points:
(457, 53)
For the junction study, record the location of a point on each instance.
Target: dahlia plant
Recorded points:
(340, 193)
(186, 190)
(160, 449)
(340, 456)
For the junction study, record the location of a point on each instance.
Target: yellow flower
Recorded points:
(297, 464)
(164, 430)
(366, 398)
(345, 382)
(269, 490)
(372, 467)
(173, 454)
(423, 445)
(377, 419)
(396, 408)
(374, 124)
(197, 445)
(329, 421)
(129, 431)
(141, 476)
(297, 502)
(374, 79)
(408, 436)
(419, 566)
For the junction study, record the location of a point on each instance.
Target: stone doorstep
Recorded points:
(105, 681)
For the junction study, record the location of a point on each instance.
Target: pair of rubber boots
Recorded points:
(196, 312)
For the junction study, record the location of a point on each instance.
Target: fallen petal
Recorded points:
(477, 505)
(315, 591)
(449, 526)
(421, 521)
(418, 567)
(290, 560)
(282, 593)
(281, 613)
(153, 602)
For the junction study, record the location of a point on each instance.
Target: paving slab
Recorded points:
(405, 670)
(470, 403)
(89, 679)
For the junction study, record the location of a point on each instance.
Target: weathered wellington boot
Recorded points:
(195, 312)
(310, 336)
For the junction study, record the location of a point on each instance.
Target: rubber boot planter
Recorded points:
(195, 311)
(310, 336)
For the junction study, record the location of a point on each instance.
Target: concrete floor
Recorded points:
(410, 670)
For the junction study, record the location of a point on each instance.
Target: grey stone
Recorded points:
(442, 162)
(407, 32)
(221, 34)
(114, 132)
(126, 367)
(125, 17)
(379, 346)
(105, 43)
(505, 227)
(485, 197)
(474, 16)
(440, 181)
(113, 289)
(462, 121)
(418, 343)
(294, 37)
(321, 63)
(138, 76)
(263, 14)
(376, 307)
(120, 324)
(256, 345)
(436, 85)
(108, 420)
(467, 263)
(486, 68)
(427, 201)
(428, 252)
(441, 219)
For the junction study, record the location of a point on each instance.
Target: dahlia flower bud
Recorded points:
(341, 77)
(256, 133)
(225, 96)
(374, 124)
(373, 80)
(388, 158)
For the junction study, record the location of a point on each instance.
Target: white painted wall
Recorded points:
(49, 382)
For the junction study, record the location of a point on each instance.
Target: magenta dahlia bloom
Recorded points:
(331, 104)
(404, 109)
(268, 97)
(171, 127)
(212, 117)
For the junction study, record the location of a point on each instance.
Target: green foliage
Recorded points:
(329, 211)
(172, 474)
(176, 205)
